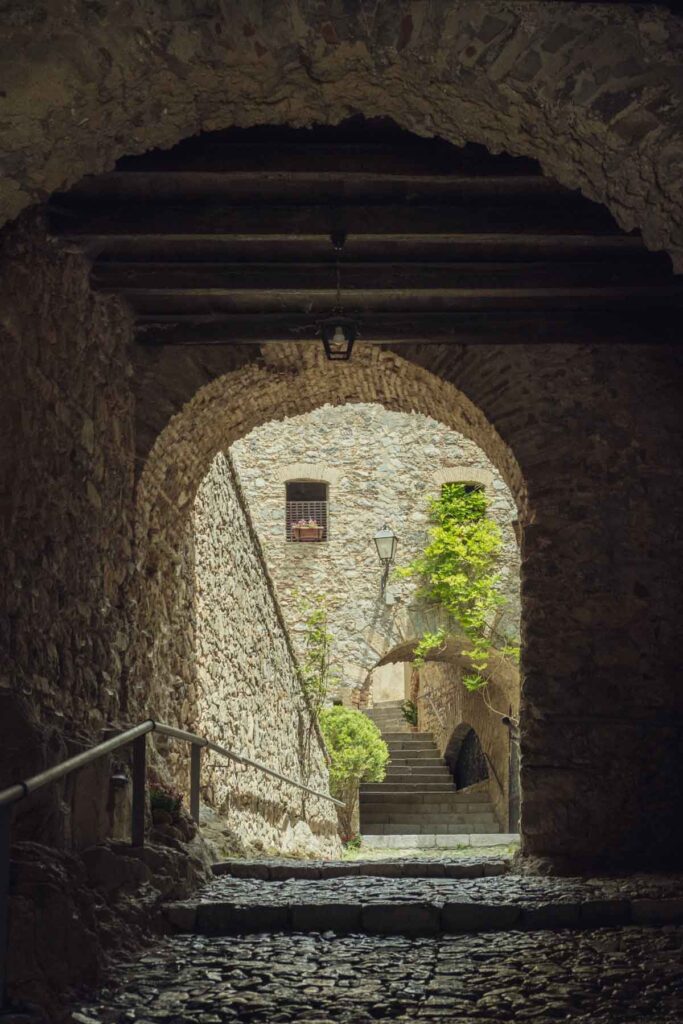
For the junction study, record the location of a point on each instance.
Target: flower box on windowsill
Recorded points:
(307, 534)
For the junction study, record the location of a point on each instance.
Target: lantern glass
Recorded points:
(386, 543)
(338, 334)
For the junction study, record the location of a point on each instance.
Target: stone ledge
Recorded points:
(418, 917)
(281, 870)
(445, 842)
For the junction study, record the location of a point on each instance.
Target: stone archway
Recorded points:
(594, 96)
(227, 409)
(465, 757)
(571, 87)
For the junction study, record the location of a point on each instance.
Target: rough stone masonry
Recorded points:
(380, 466)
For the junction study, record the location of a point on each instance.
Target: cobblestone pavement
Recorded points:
(524, 890)
(609, 976)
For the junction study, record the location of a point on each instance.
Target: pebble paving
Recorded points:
(524, 890)
(608, 976)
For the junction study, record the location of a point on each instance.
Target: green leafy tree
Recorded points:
(315, 674)
(458, 570)
(358, 754)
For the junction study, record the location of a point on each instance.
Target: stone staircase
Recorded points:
(418, 796)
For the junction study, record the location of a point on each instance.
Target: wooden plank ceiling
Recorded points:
(226, 239)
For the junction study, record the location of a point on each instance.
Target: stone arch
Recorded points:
(463, 475)
(593, 94)
(235, 403)
(227, 409)
(318, 471)
(465, 740)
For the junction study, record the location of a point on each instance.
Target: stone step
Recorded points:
(383, 793)
(405, 778)
(410, 737)
(403, 774)
(408, 787)
(392, 715)
(437, 844)
(418, 769)
(428, 823)
(436, 807)
(277, 870)
(412, 747)
(432, 828)
(315, 909)
(425, 760)
(388, 815)
(392, 724)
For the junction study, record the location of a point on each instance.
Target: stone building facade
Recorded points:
(379, 467)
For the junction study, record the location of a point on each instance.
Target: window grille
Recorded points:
(308, 502)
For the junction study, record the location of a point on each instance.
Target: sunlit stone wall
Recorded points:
(381, 467)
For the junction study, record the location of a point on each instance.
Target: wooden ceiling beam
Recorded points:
(308, 188)
(279, 222)
(518, 248)
(203, 300)
(528, 327)
(136, 276)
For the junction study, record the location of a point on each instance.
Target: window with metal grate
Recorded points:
(306, 511)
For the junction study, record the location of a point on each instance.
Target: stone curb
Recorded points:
(281, 871)
(419, 917)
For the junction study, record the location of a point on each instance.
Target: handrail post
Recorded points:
(195, 775)
(137, 836)
(5, 824)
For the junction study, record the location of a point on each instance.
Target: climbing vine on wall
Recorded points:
(458, 569)
(315, 674)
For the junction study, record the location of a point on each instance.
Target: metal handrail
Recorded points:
(169, 730)
(137, 736)
(22, 789)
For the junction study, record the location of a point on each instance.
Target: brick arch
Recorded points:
(592, 94)
(236, 403)
(229, 408)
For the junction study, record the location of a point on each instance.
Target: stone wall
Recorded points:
(444, 705)
(586, 438)
(248, 693)
(92, 634)
(380, 466)
(66, 517)
(593, 91)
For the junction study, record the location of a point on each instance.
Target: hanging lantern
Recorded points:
(338, 334)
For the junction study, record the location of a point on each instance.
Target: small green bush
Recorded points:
(358, 754)
(409, 712)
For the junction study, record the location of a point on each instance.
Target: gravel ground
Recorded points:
(524, 890)
(609, 976)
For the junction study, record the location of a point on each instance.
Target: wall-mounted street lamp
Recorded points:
(386, 543)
